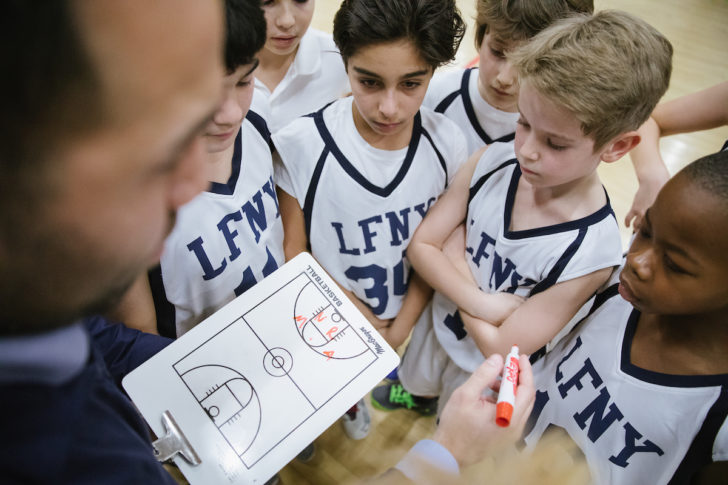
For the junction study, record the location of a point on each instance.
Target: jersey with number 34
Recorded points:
(359, 229)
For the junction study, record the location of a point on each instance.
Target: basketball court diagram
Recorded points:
(293, 343)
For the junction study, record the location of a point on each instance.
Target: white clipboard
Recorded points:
(242, 393)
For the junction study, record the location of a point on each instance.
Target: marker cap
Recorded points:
(503, 413)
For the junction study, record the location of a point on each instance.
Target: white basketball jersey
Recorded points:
(522, 262)
(361, 204)
(634, 426)
(227, 238)
(455, 94)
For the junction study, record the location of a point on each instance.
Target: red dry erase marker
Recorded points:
(507, 393)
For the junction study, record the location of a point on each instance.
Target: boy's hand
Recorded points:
(494, 308)
(394, 335)
(378, 323)
(470, 322)
(643, 200)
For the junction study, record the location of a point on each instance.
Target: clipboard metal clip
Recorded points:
(174, 442)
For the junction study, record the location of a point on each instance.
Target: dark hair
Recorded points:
(517, 20)
(245, 32)
(50, 91)
(434, 26)
(710, 173)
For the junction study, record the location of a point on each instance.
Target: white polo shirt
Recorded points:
(316, 77)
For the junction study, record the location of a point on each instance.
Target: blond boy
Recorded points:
(538, 221)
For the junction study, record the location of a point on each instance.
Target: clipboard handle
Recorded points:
(174, 442)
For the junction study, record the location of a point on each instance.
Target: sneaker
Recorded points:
(306, 454)
(393, 396)
(357, 421)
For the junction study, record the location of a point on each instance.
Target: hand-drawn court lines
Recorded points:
(300, 352)
(323, 328)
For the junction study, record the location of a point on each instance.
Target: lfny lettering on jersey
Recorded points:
(251, 218)
(600, 412)
(361, 204)
(503, 273)
(634, 426)
(379, 234)
(391, 228)
(227, 238)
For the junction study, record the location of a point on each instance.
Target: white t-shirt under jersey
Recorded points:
(315, 78)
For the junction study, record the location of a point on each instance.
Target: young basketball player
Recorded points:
(357, 177)
(230, 236)
(640, 384)
(483, 100)
(538, 221)
(300, 67)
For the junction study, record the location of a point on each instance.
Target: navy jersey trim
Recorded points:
(354, 173)
(437, 152)
(700, 452)
(560, 264)
(445, 103)
(577, 224)
(311, 193)
(163, 308)
(237, 161)
(320, 110)
(259, 123)
(668, 380)
(725, 146)
(603, 297)
(470, 112)
(599, 300)
(484, 178)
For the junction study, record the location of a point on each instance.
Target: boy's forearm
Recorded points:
(440, 273)
(482, 332)
(530, 327)
(295, 240)
(541, 317)
(701, 110)
(646, 158)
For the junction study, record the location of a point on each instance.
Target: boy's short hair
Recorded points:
(609, 70)
(517, 20)
(434, 26)
(245, 32)
(710, 173)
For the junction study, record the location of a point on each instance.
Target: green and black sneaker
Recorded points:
(393, 396)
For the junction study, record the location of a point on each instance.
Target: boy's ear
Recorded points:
(619, 147)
